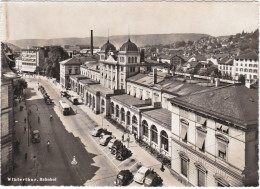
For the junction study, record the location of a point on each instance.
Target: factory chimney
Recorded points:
(91, 43)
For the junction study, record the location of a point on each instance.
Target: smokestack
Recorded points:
(142, 56)
(91, 42)
(155, 76)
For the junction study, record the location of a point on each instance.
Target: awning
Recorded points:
(218, 126)
(222, 147)
(224, 128)
(200, 140)
(183, 132)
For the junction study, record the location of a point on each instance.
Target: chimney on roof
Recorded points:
(216, 82)
(91, 42)
(248, 83)
(155, 76)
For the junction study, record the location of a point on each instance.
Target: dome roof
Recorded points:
(108, 46)
(129, 47)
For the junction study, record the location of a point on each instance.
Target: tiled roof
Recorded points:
(251, 55)
(236, 104)
(71, 61)
(161, 116)
(128, 100)
(146, 79)
(226, 61)
(193, 64)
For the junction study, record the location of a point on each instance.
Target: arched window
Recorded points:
(128, 118)
(94, 102)
(164, 141)
(154, 134)
(134, 120)
(117, 111)
(135, 59)
(145, 128)
(90, 100)
(112, 108)
(123, 114)
(129, 60)
(86, 97)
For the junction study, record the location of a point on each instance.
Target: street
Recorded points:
(70, 136)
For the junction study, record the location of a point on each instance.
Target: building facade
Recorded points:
(247, 65)
(203, 146)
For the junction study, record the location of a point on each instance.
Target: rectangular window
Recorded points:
(183, 135)
(122, 68)
(201, 178)
(201, 140)
(184, 167)
(222, 147)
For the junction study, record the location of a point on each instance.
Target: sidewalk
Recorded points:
(142, 157)
(22, 166)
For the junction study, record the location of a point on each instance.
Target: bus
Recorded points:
(65, 108)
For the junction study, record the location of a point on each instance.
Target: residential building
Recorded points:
(247, 65)
(225, 66)
(214, 140)
(68, 67)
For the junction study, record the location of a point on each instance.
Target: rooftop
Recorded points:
(78, 77)
(128, 100)
(71, 61)
(251, 55)
(88, 81)
(236, 104)
(100, 88)
(161, 116)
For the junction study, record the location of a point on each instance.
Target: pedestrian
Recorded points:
(162, 167)
(25, 156)
(24, 120)
(123, 137)
(128, 140)
(135, 134)
(24, 128)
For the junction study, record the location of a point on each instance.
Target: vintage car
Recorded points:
(105, 140)
(111, 142)
(116, 146)
(48, 101)
(35, 134)
(141, 174)
(123, 178)
(153, 179)
(74, 100)
(63, 93)
(123, 153)
(97, 132)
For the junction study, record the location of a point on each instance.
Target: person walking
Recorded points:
(135, 134)
(128, 140)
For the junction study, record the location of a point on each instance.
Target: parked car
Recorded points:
(141, 174)
(105, 140)
(123, 153)
(48, 101)
(63, 93)
(123, 178)
(97, 132)
(111, 142)
(74, 100)
(35, 134)
(153, 179)
(116, 146)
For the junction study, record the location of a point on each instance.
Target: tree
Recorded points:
(180, 44)
(19, 86)
(55, 55)
(242, 79)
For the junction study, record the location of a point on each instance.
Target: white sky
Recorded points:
(28, 20)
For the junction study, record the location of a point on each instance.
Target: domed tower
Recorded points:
(107, 47)
(128, 60)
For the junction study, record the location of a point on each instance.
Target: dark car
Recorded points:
(98, 132)
(48, 101)
(123, 178)
(153, 179)
(116, 146)
(63, 93)
(123, 153)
